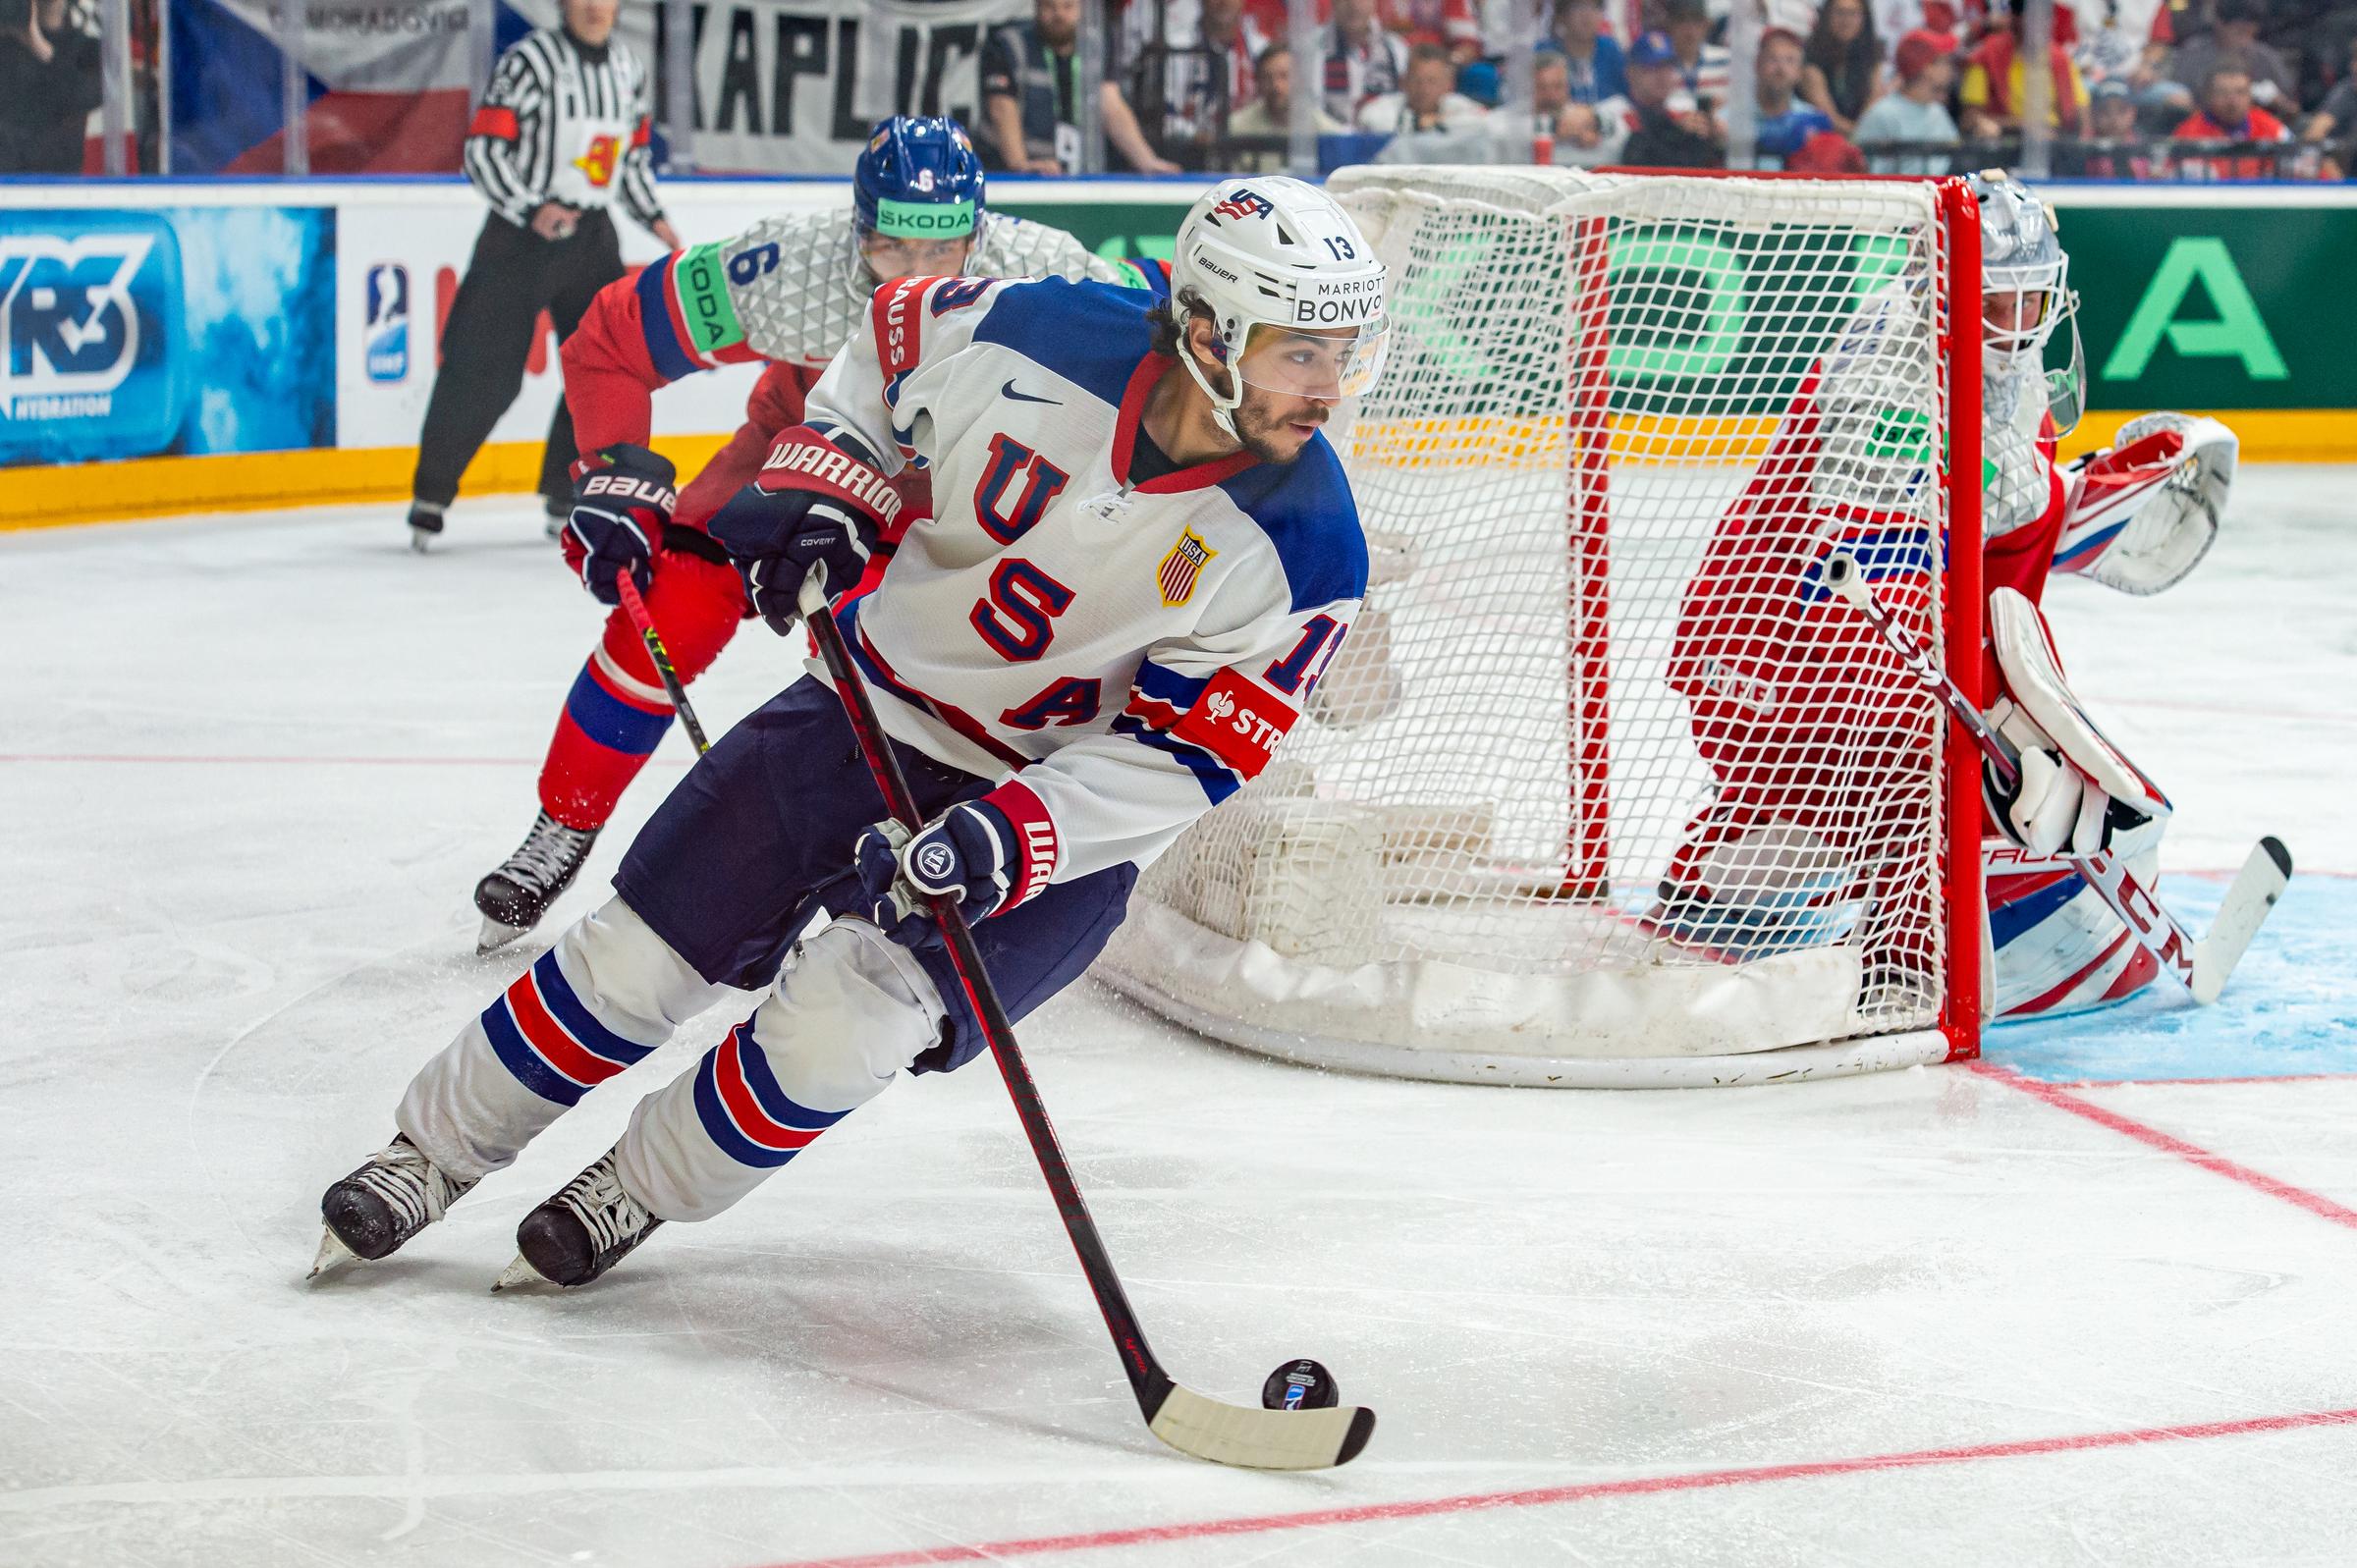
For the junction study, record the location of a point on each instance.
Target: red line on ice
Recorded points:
(2063, 1099)
(1546, 1497)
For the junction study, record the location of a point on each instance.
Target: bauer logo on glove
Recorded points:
(615, 485)
(621, 499)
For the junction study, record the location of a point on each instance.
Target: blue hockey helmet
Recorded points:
(918, 178)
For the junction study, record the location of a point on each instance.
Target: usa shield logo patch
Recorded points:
(1180, 569)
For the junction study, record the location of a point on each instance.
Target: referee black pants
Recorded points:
(513, 277)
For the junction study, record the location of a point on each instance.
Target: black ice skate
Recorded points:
(425, 525)
(514, 898)
(585, 1229)
(391, 1198)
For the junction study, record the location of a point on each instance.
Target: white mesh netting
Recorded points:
(1602, 774)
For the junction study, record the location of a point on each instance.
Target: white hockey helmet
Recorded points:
(1279, 254)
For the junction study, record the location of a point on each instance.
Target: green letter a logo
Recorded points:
(2239, 333)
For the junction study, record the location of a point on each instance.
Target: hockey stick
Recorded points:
(2200, 964)
(1191, 1423)
(634, 607)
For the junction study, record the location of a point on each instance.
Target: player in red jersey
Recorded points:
(1813, 733)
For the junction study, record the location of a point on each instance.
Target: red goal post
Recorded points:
(1602, 791)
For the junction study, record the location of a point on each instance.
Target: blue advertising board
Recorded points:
(128, 334)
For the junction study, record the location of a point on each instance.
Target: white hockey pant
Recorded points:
(850, 1008)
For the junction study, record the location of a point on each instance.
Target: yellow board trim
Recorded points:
(177, 487)
(260, 481)
(2267, 435)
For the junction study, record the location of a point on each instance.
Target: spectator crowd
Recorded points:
(2132, 89)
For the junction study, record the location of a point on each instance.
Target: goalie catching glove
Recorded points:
(2141, 515)
(2073, 791)
(814, 506)
(985, 856)
(621, 496)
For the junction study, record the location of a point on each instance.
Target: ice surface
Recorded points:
(252, 767)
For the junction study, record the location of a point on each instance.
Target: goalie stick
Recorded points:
(2201, 964)
(635, 608)
(1193, 1424)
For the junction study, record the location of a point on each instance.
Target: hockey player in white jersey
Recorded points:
(1145, 554)
(790, 291)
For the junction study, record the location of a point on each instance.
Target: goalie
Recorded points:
(1780, 682)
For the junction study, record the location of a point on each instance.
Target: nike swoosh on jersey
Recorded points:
(1008, 391)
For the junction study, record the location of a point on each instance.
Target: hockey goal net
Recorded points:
(1603, 789)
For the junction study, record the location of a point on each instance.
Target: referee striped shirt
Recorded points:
(564, 121)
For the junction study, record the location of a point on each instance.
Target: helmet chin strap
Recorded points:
(1222, 404)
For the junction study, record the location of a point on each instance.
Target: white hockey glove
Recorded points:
(2141, 515)
(2075, 790)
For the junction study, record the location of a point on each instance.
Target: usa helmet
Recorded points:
(918, 178)
(1274, 253)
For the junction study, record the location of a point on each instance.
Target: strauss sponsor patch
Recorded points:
(1237, 722)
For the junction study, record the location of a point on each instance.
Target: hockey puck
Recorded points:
(1299, 1386)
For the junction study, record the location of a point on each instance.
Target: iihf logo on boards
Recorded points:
(385, 341)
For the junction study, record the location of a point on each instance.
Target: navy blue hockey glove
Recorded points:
(984, 855)
(621, 496)
(813, 504)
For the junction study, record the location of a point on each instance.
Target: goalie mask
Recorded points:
(1284, 271)
(2025, 293)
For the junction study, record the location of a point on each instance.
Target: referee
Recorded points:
(560, 134)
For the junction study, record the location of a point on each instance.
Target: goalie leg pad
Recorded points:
(2076, 788)
(1755, 890)
(2059, 948)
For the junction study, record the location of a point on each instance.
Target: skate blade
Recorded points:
(494, 934)
(333, 1256)
(421, 540)
(519, 1274)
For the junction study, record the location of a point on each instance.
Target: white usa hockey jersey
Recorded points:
(1133, 653)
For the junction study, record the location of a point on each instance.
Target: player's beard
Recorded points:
(1265, 423)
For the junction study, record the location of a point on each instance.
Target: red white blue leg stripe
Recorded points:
(543, 1034)
(616, 711)
(744, 1110)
